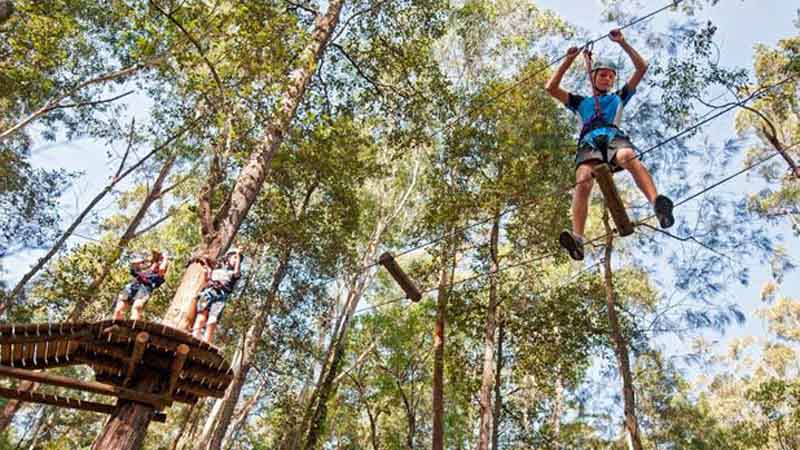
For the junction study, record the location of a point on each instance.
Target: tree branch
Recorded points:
(197, 46)
(56, 102)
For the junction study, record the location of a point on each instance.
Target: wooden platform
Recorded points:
(121, 353)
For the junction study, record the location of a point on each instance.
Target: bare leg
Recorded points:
(580, 198)
(626, 158)
(138, 308)
(199, 323)
(211, 328)
(119, 309)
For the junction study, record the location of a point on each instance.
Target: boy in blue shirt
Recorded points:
(599, 117)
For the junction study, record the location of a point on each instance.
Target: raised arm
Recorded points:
(638, 62)
(553, 86)
(164, 263)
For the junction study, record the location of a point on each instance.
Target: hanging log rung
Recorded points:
(405, 282)
(602, 172)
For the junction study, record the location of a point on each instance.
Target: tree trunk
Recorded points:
(487, 380)
(620, 346)
(6, 10)
(12, 406)
(498, 384)
(253, 174)
(558, 409)
(127, 427)
(213, 439)
(187, 415)
(438, 346)
(338, 342)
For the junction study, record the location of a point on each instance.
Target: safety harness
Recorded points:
(597, 120)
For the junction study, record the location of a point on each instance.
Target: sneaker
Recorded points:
(573, 244)
(663, 208)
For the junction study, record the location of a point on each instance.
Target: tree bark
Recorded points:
(438, 345)
(498, 384)
(6, 10)
(620, 346)
(245, 191)
(126, 429)
(12, 406)
(187, 415)
(558, 409)
(485, 400)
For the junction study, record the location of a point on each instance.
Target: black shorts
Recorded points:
(588, 153)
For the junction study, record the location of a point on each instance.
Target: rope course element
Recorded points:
(595, 239)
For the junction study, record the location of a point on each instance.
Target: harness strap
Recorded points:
(597, 120)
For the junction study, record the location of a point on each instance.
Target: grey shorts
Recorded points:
(588, 153)
(135, 291)
(213, 300)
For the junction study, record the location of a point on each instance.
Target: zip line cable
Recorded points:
(588, 242)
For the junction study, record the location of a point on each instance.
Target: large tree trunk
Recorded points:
(244, 194)
(339, 341)
(438, 344)
(620, 346)
(213, 439)
(498, 384)
(485, 400)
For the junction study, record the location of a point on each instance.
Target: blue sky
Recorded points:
(742, 25)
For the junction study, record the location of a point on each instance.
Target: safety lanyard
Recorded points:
(587, 57)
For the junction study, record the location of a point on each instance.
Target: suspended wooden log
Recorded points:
(402, 279)
(602, 172)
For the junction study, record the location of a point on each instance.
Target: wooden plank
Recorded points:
(602, 172)
(405, 282)
(26, 339)
(88, 386)
(156, 361)
(55, 400)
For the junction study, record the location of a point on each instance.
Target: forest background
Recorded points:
(435, 112)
